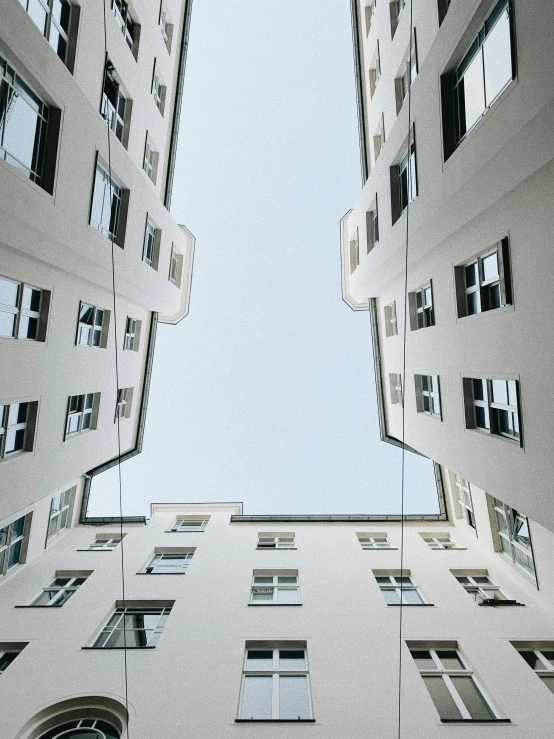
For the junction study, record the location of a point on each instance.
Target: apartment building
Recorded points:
(290, 623)
(457, 148)
(90, 97)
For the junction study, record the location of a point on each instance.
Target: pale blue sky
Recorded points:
(265, 392)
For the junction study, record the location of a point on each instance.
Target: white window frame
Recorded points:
(428, 395)
(166, 26)
(514, 521)
(158, 88)
(11, 426)
(116, 193)
(399, 584)
(175, 266)
(354, 252)
(19, 312)
(104, 543)
(59, 518)
(123, 403)
(61, 592)
(156, 564)
(375, 71)
(546, 669)
(465, 501)
(439, 541)
(49, 22)
(276, 541)
(84, 411)
(407, 169)
(372, 225)
(116, 619)
(374, 541)
(396, 394)
(17, 542)
(190, 525)
(87, 333)
(124, 20)
(132, 334)
(114, 114)
(150, 243)
(492, 409)
(391, 323)
(408, 72)
(422, 307)
(481, 591)
(274, 587)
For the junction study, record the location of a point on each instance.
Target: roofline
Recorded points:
(344, 267)
(358, 75)
(175, 507)
(186, 281)
(357, 517)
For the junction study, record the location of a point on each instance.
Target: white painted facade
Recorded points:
(498, 184)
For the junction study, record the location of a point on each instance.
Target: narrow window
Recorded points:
(407, 74)
(275, 541)
(166, 26)
(369, 10)
(105, 543)
(17, 428)
(422, 311)
(483, 283)
(124, 403)
(396, 7)
(492, 406)
(391, 325)
(372, 225)
(173, 562)
(127, 25)
(115, 106)
(13, 540)
(397, 588)
(428, 396)
(61, 590)
(150, 160)
(373, 541)
(379, 138)
(275, 684)
(275, 589)
(452, 686)
(375, 71)
(9, 652)
(94, 324)
(158, 88)
(403, 179)
(175, 267)
(542, 662)
(23, 310)
(185, 523)
(483, 591)
(465, 501)
(132, 334)
(354, 252)
(439, 541)
(108, 212)
(133, 628)
(151, 245)
(513, 535)
(82, 413)
(395, 383)
(59, 518)
(54, 20)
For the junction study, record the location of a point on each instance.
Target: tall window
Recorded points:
(398, 589)
(23, 310)
(403, 179)
(93, 325)
(134, 628)
(439, 541)
(483, 283)
(151, 244)
(52, 18)
(60, 591)
(106, 211)
(275, 541)
(492, 406)
(17, 428)
(465, 501)
(81, 413)
(175, 267)
(166, 26)
(374, 541)
(275, 684)
(158, 88)
(132, 334)
(354, 252)
(129, 28)
(375, 71)
(8, 652)
(483, 73)
(428, 397)
(12, 541)
(150, 159)
(190, 524)
(379, 138)
(452, 686)
(422, 311)
(59, 513)
(124, 402)
(25, 140)
(396, 8)
(542, 662)
(483, 590)
(372, 225)
(391, 325)
(274, 589)
(114, 104)
(514, 537)
(169, 563)
(395, 383)
(408, 73)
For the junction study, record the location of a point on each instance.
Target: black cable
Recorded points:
(112, 237)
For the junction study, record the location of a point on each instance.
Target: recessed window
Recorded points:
(397, 589)
(158, 88)
(124, 403)
(513, 535)
(13, 540)
(132, 334)
(166, 26)
(373, 541)
(127, 25)
(175, 267)
(395, 386)
(60, 590)
(23, 310)
(403, 179)
(133, 627)
(479, 78)
(17, 428)
(465, 502)
(439, 541)
(115, 108)
(151, 244)
(275, 541)
(150, 160)
(379, 138)
(396, 7)
(275, 588)
(542, 662)
(82, 413)
(9, 652)
(59, 518)
(28, 129)
(407, 74)
(375, 71)
(372, 225)
(428, 396)
(482, 589)
(483, 283)
(190, 524)
(108, 212)
(94, 324)
(85, 728)
(391, 325)
(275, 684)
(369, 10)
(492, 406)
(354, 252)
(452, 685)
(53, 18)
(174, 562)
(420, 303)
(105, 543)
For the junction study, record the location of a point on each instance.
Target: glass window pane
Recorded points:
(391, 596)
(20, 132)
(473, 91)
(14, 441)
(450, 659)
(500, 392)
(31, 299)
(262, 595)
(286, 580)
(479, 390)
(512, 392)
(14, 554)
(7, 324)
(294, 701)
(549, 656)
(257, 697)
(473, 303)
(471, 274)
(423, 659)
(481, 417)
(287, 595)
(18, 527)
(472, 698)
(263, 580)
(8, 292)
(444, 703)
(292, 659)
(37, 13)
(490, 267)
(412, 597)
(259, 659)
(498, 58)
(27, 327)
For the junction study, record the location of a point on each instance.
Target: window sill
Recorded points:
(275, 720)
(475, 721)
(95, 550)
(172, 531)
(379, 549)
(112, 649)
(274, 549)
(492, 603)
(448, 549)
(31, 605)
(497, 438)
(279, 605)
(160, 573)
(410, 605)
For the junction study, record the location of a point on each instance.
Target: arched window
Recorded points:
(85, 728)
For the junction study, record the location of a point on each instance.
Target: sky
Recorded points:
(265, 393)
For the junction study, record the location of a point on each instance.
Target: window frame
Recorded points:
(156, 608)
(391, 321)
(19, 543)
(109, 543)
(276, 541)
(404, 186)
(158, 88)
(428, 393)
(81, 411)
(19, 312)
(439, 541)
(124, 403)
(482, 286)
(27, 426)
(395, 386)
(95, 329)
(275, 586)
(481, 592)
(399, 584)
(372, 541)
(354, 252)
(131, 339)
(159, 555)
(118, 199)
(63, 592)
(465, 500)
(372, 225)
(128, 26)
(60, 513)
(546, 671)
(151, 243)
(166, 26)
(180, 525)
(491, 410)
(421, 303)
(407, 74)
(513, 546)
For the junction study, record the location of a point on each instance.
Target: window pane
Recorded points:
(289, 595)
(8, 292)
(490, 267)
(17, 528)
(286, 580)
(391, 596)
(498, 58)
(27, 327)
(256, 697)
(548, 680)
(474, 93)
(473, 303)
(500, 392)
(423, 659)
(549, 656)
(531, 658)
(444, 703)
(263, 580)
(472, 698)
(292, 659)
(7, 324)
(294, 702)
(412, 597)
(481, 417)
(262, 594)
(450, 659)
(14, 554)
(471, 274)
(259, 659)
(20, 132)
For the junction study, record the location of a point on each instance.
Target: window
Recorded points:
(61, 590)
(128, 27)
(514, 536)
(150, 160)
(114, 105)
(369, 10)
(190, 524)
(173, 562)
(482, 589)
(166, 26)
(395, 382)
(84, 728)
(542, 662)
(275, 588)
(372, 226)
(379, 139)
(17, 428)
(483, 283)
(175, 267)
(124, 403)
(452, 685)
(23, 310)
(151, 245)
(105, 543)
(134, 627)
(275, 684)
(439, 541)
(275, 541)
(375, 71)
(391, 326)
(373, 541)
(428, 397)
(132, 334)
(354, 252)
(82, 413)
(396, 7)
(8, 652)
(465, 502)
(477, 81)
(408, 73)
(13, 539)
(443, 6)
(158, 88)
(94, 324)
(59, 513)
(396, 587)
(492, 406)
(422, 312)
(52, 18)
(403, 179)
(108, 212)
(28, 129)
